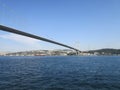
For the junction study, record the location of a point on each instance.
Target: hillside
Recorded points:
(106, 51)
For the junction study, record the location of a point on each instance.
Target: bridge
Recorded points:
(12, 30)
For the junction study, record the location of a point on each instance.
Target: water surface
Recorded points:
(60, 73)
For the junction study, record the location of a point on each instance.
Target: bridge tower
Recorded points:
(77, 46)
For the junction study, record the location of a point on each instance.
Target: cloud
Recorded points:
(21, 43)
(19, 38)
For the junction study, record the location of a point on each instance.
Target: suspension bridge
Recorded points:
(15, 31)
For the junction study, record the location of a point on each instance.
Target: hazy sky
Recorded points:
(84, 24)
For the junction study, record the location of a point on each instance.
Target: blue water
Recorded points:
(60, 73)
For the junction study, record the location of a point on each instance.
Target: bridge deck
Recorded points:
(12, 30)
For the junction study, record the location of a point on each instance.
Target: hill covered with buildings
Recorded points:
(63, 52)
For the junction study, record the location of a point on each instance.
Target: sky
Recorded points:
(83, 24)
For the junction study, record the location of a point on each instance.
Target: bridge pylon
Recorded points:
(77, 53)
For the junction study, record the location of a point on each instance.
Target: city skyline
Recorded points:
(92, 24)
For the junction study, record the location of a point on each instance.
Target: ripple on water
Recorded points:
(60, 73)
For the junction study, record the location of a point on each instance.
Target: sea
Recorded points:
(60, 73)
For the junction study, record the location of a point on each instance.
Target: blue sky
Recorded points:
(83, 24)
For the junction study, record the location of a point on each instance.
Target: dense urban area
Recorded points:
(64, 52)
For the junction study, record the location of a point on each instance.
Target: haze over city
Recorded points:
(83, 24)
